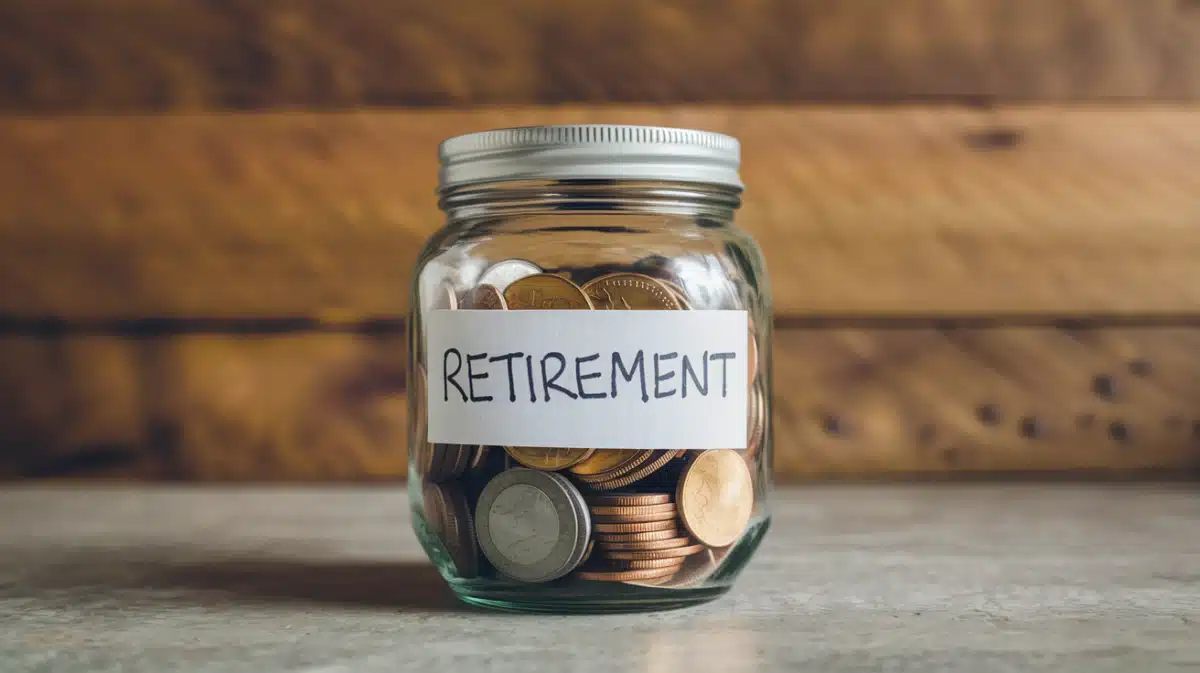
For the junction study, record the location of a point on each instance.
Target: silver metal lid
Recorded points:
(591, 151)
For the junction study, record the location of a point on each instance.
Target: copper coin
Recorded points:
(484, 297)
(752, 357)
(545, 291)
(654, 563)
(632, 517)
(715, 497)
(629, 499)
(606, 510)
(638, 474)
(757, 423)
(632, 461)
(642, 527)
(670, 543)
(638, 537)
(646, 555)
(613, 575)
(629, 291)
(604, 461)
(679, 292)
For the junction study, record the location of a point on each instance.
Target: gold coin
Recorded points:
(631, 462)
(638, 537)
(647, 555)
(608, 510)
(614, 575)
(638, 474)
(484, 297)
(642, 527)
(679, 292)
(654, 563)
(603, 461)
(545, 291)
(547, 458)
(629, 499)
(629, 291)
(715, 497)
(670, 543)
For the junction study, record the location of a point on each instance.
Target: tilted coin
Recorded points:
(638, 537)
(752, 357)
(698, 567)
(654, 563)
(757, 423)
(449, 517)
(642, 527)
(606, 510)
(478, 459)
(616, 575)
(669, 543)
(629, 462)
(533, 526)
(484, 297)
(656, 554)
(643, 471)
(715, 497)
(443, 297)
(629, 499)
(604, 461)
(545, 291)
(629, 291)
(502, 274)
(547, 458)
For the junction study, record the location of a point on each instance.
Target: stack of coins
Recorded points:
(662, 517)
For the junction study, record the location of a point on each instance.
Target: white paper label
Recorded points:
(588, 379)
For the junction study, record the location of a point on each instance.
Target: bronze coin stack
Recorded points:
(650, 511)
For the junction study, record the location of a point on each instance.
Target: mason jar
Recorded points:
(590, 371)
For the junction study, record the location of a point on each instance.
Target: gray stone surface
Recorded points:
(861, 578)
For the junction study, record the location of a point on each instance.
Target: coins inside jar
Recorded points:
(633, 515)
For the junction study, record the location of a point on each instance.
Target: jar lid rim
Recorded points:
(591, 151)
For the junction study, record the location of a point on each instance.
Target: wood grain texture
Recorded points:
(137, 55)
(850, 402)
(898, 211)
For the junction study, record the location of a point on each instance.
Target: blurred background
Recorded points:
(982, 220)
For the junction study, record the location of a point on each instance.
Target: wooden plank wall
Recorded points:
(205, 239)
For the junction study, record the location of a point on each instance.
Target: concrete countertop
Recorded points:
(851, 578)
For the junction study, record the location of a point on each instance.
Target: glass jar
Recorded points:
(590, 354)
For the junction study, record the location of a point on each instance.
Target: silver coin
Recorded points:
(533, 526)
(502, 274)
(443, 297)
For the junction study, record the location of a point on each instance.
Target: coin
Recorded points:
(502, 274)
(614, 575)
(604, 461)
(638, 537)
(654, 563)
(715, 497)
(642, 527)
(547, 458)
(622, 510)
(674, 552)
(484, 297)
(533, 526)
(629, 499)
(443, 297)
(629, 291)
(631, 461)
(698, 567)
(638, 474)
(634, 518)
(545, 292)
(752, 356)
(670, 543)
(478, 459)
(757, 423)
(449, 517)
